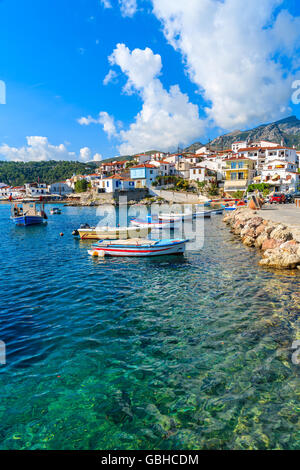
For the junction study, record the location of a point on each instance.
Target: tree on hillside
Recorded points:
(81, 186)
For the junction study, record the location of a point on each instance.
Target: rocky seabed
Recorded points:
(279, 244)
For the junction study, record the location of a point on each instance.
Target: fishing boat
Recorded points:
(185, 216)
(217, 211)
(176, 217)
(205, 214)
(85, 232)
(230, 208)
(138, 247)
(28, 213)
(55, 211)
(153, 224)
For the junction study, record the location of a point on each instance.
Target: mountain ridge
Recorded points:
(286, 131)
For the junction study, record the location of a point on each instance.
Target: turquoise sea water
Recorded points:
(190, 352)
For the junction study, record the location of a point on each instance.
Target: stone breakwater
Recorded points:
(279, 244)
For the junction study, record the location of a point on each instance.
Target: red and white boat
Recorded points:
(138, 247)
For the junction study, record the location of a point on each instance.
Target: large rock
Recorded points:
(281, 232)
(260, 229)
(260, 239)
(248, 241)
(280, 259)
(270, 244)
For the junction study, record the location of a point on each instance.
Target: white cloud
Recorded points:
(85, 154)
(233, 51)
(97, 157)
(166, 119)
(39, 149)
(140, 66)
(110, 77)
(128, 7)
(104, 119)
(106, 3)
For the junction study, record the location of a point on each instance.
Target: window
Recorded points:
(151, 172)
(241, 175)
(233, 176)
(233, 165)
(241, 164)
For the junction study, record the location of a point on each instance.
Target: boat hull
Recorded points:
(100, 234)
(177, 248)
(26, 220)
(154, 225)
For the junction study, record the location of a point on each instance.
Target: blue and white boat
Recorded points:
(138, 247)
(28, 213)
(154, 224)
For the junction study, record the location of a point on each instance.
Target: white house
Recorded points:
(236, 146)
(36, 189)
(281, 174)
(61, 188)
(165, 167)
(115, 183)
(216, 163)
(197, 173)
(201, 173)
(5, 190)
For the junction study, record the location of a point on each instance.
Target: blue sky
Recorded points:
(54, 58)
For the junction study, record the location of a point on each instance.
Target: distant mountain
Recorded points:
(192, 148)
(286, 131)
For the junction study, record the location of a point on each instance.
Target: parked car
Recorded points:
(289, 198)
(277, 198)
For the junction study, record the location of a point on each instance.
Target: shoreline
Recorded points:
(277, 242)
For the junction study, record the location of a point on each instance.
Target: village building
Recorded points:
(36, 189)
(216, 163)
(144, 175)
(114, 184)
(165, 167)
(61, 188)
(239, 174)
(5, 190)
(201, 173)
(282, 175)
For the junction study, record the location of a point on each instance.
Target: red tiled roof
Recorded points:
(143, 165)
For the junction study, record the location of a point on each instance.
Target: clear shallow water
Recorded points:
(187, 352)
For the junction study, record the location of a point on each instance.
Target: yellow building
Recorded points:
(239, 174)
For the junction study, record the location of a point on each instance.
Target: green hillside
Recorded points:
(19, 173)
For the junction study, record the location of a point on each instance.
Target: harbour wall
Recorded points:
(177, 197)
(279, 244)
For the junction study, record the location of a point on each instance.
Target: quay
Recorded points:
(275, 231)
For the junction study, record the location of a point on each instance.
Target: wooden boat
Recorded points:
(199, 214)
(153, 224)
(28, 213)
(138, 247)
(217, 211)
(85, 232)
(184, 216)
(175, 217)
(55, 211)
